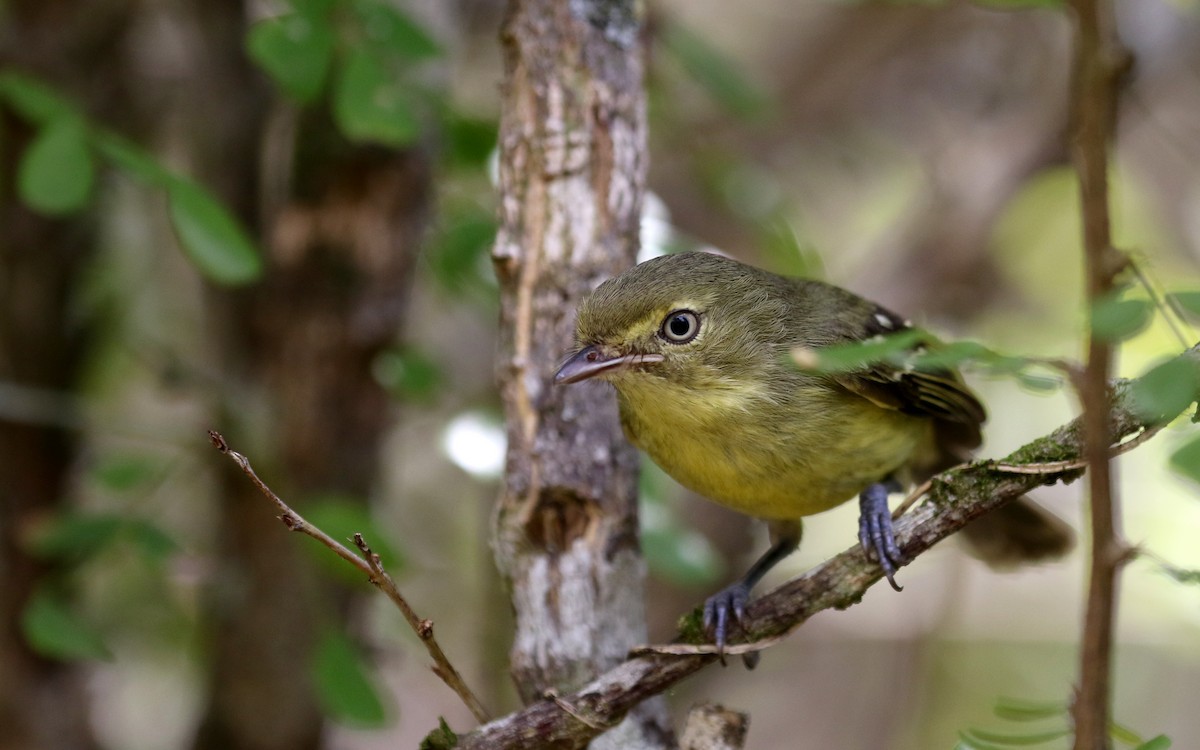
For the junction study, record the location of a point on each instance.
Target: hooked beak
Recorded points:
(590, 362)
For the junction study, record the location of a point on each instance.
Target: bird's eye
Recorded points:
(680, 327)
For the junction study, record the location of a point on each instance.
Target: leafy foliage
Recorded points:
(57, 172)
(53, 630)
(1026, 712)
(343, 684)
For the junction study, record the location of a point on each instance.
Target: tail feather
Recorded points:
(1020, 532)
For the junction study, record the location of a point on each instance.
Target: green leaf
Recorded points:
(1161, 742)
(458, 249)
(1181, 575)
(34, 100)
(75, 536)
(967, 743)
(344, 689)
(1019, 709)
(1166, 390)
(470, 140)
(943, 356)
(394, 32)
(1187, 304)
(296, 50)
(127, 156)
(1017, 740)
(214, 241)
(57, 170)
(1123, 734)
(716, 74)
(370, 105)
(1186, 459)
(1118, 319)
(860, 354)
(408, 373)
(341, 517)
(681, 556)
(442, 738)
(54, 631)
(124, 473)
(1039, 383)
(154, 543)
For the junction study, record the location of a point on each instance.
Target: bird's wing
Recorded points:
(937, 394)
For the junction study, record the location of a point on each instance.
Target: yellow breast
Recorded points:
(768, 457)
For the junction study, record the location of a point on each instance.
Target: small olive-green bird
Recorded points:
(699, 346)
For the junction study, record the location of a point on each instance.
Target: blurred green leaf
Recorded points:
(681, 556)
(34, 100)
(131, 158)
(462, 241)
(1186, 459)
(341, 517)
(1019, 709)
(75, 536)
(122, 473)
(941, 356)
(1117, 319)
(716, 73)
(854, 356)
(1166, 389)
(1016, 740)
(1123, 734)
(393, 31)
(154, 543)
(53, 630)
(1187, 304)
(1039, 383)
(1181, 575)
(344, 688)
(471, 140)
(965, 742)
(1161, 742)
(57, 170)
(214, 241)
(296, 50)
(408, 373)
(371, 105)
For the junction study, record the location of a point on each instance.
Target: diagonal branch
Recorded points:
(370, 564)
(955, 498)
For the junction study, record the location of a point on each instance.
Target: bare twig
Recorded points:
(370, 564)
(1098, 64)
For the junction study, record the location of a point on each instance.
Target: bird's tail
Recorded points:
(1020, 532)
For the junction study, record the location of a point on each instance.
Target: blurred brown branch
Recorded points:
(1097, 69)
(370, 564)
(956, 497)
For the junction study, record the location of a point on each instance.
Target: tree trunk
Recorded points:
(572, 176)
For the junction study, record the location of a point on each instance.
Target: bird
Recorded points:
(701, 350)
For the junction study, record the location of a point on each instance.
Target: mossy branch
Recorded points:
(955, 498)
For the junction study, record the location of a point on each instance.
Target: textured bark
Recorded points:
(572, 176)
(42, 701)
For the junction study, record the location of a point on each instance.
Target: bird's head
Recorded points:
(691, 319)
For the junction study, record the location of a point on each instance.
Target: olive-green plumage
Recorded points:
(730, 415)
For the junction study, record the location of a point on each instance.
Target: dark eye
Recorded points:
(680, 327)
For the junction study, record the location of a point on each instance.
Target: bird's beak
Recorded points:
(590, 362)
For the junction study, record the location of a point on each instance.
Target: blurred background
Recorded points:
(273, 219)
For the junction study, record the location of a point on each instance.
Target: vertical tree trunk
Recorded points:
(42, 701)
(572, 176)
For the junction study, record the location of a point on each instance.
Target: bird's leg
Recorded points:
(875, 528)
(785, 537)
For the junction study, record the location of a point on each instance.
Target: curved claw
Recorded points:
(875, 532)
(717, 611)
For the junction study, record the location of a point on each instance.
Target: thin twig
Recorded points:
(370, 564)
